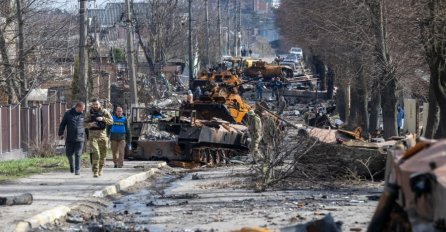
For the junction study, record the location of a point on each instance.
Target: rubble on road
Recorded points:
(325, 224)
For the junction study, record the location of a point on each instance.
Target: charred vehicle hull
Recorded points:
(207, 130)
(415, 195)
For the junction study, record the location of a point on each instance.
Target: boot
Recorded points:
(77, 164)
(71, 163)
(95, 174)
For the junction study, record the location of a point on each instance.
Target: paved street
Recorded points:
(61, 188)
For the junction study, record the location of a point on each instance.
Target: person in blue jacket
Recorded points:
(119, 136)
(399, 118)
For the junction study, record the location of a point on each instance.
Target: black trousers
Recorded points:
(74, 149)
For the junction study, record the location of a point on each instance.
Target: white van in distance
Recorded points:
(297, 51)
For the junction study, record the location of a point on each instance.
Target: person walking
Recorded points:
(97, 120)
(73, 120)
(276, 84)
(281, 105)
(259, 89)
(259, 86)
(255, 129)
(400, 118)
(119, 136)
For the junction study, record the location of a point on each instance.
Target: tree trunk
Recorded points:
(358, 108)
(438, 76)
(319, 67)
(387, 79)
(145, 50)
(433, 116)
(21, 55)
(375, 108)
(432, 34)
(7, 68)
(388, 105)
(341, 104)
(441, 131)
(330, 83)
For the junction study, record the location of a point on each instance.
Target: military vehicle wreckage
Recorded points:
(208, 130)
(414, 196)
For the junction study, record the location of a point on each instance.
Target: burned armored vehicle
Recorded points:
(207, 130)
(414, 198)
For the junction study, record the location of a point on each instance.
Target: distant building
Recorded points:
(114, 13)
(261, 6)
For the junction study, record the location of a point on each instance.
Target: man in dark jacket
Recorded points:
(119, 136)
(276, 85)
(74, 121)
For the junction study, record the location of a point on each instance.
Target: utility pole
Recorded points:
(235, 28)
(83, 56)
(207, 32)
(131, 57)
(239, 31)
(219, 28)
(228, 41)
(191, 73)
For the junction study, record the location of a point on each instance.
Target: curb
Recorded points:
(59, 211)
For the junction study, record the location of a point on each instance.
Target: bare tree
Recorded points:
(367, 45)
(432, 15)
(32, 61)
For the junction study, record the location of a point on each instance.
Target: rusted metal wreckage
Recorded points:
(209, 130)
(414, 197)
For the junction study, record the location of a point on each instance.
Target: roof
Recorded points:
(114, 13)
(38, 95)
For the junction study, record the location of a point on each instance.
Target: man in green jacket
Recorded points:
(120, 136)
(96, 120)
(255, 133)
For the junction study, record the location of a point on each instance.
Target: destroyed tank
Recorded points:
(414, 195)
(268, 71)
(209, 130)
(220, 97)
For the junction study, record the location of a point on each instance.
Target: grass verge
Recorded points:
(14, 169)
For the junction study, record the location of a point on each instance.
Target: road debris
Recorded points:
(23, 199)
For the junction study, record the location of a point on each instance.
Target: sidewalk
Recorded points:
(55, 192)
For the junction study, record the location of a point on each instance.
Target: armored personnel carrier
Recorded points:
(208, 130)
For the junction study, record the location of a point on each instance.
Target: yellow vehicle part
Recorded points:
(237, 107)
(222, 77)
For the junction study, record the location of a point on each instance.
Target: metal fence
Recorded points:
(24, 128)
